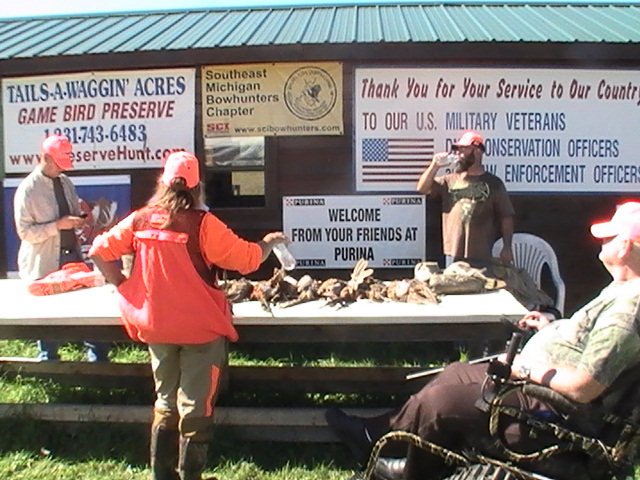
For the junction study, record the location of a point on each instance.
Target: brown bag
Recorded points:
(443, 284)
(462, 278)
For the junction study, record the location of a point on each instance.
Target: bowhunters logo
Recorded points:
(310, 93)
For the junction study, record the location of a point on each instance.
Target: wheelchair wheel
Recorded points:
(481, 472)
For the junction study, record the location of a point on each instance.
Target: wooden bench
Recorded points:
(252, 423)
(240, 378)
(271, 424)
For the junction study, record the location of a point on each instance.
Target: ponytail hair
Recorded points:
(176, 197)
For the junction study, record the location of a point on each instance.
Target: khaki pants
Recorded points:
(187, 380)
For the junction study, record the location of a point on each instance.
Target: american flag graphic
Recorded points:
(395, 159)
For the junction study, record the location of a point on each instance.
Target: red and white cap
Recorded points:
(181, 164)
(58, 148)
(470, 138)
(625, 222)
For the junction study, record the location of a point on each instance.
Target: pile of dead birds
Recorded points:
(427, 285)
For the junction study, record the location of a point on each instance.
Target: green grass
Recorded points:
(397, 354)
(44, 451)
(327, 355)
(38, 450)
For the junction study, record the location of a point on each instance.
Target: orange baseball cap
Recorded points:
(181, 164)
(625, 222)
(58, 148)
(470, 138)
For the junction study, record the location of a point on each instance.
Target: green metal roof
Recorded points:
(314, 25)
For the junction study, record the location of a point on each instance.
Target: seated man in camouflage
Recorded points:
(578, 357)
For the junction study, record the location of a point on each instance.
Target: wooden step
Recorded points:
(273, 424)
(241, 378)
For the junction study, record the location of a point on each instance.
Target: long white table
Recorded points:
(92, 314)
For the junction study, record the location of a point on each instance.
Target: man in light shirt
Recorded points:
(47, 214)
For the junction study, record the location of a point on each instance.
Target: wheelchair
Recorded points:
(595, 441)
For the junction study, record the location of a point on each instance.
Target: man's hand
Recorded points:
(70, 222)
(506, 255)
(534, 320)
(441, 159)
(426, 180)
(517, 360)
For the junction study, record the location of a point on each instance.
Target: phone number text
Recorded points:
(100, 133)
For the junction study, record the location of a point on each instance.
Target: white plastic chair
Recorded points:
(531, 253)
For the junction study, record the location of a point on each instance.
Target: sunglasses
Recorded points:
(456, 148)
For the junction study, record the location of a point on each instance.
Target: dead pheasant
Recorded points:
(376, 290)
(411, 291)
(277, 289)
(330, 289)
(355, 288)
(237, 290)
(307, 289)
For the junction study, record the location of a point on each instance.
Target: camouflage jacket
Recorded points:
(603, 337)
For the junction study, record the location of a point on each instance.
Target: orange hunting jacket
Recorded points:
(168, 298)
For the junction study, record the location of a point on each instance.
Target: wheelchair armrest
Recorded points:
(561, 404)
(584, 418)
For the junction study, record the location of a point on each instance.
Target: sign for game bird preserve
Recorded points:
(114, 120)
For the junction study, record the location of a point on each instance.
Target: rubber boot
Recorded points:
(164, 454)
(192, 459)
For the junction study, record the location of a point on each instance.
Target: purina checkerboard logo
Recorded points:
(311, 262)
(402, 201)
(304, 202)
(400, 262)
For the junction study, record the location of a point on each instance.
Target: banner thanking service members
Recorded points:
(337, 231)
(546, 130)
(115, 120)
(271, 99)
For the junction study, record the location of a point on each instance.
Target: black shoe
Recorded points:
(389, 468)
(351, 431)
